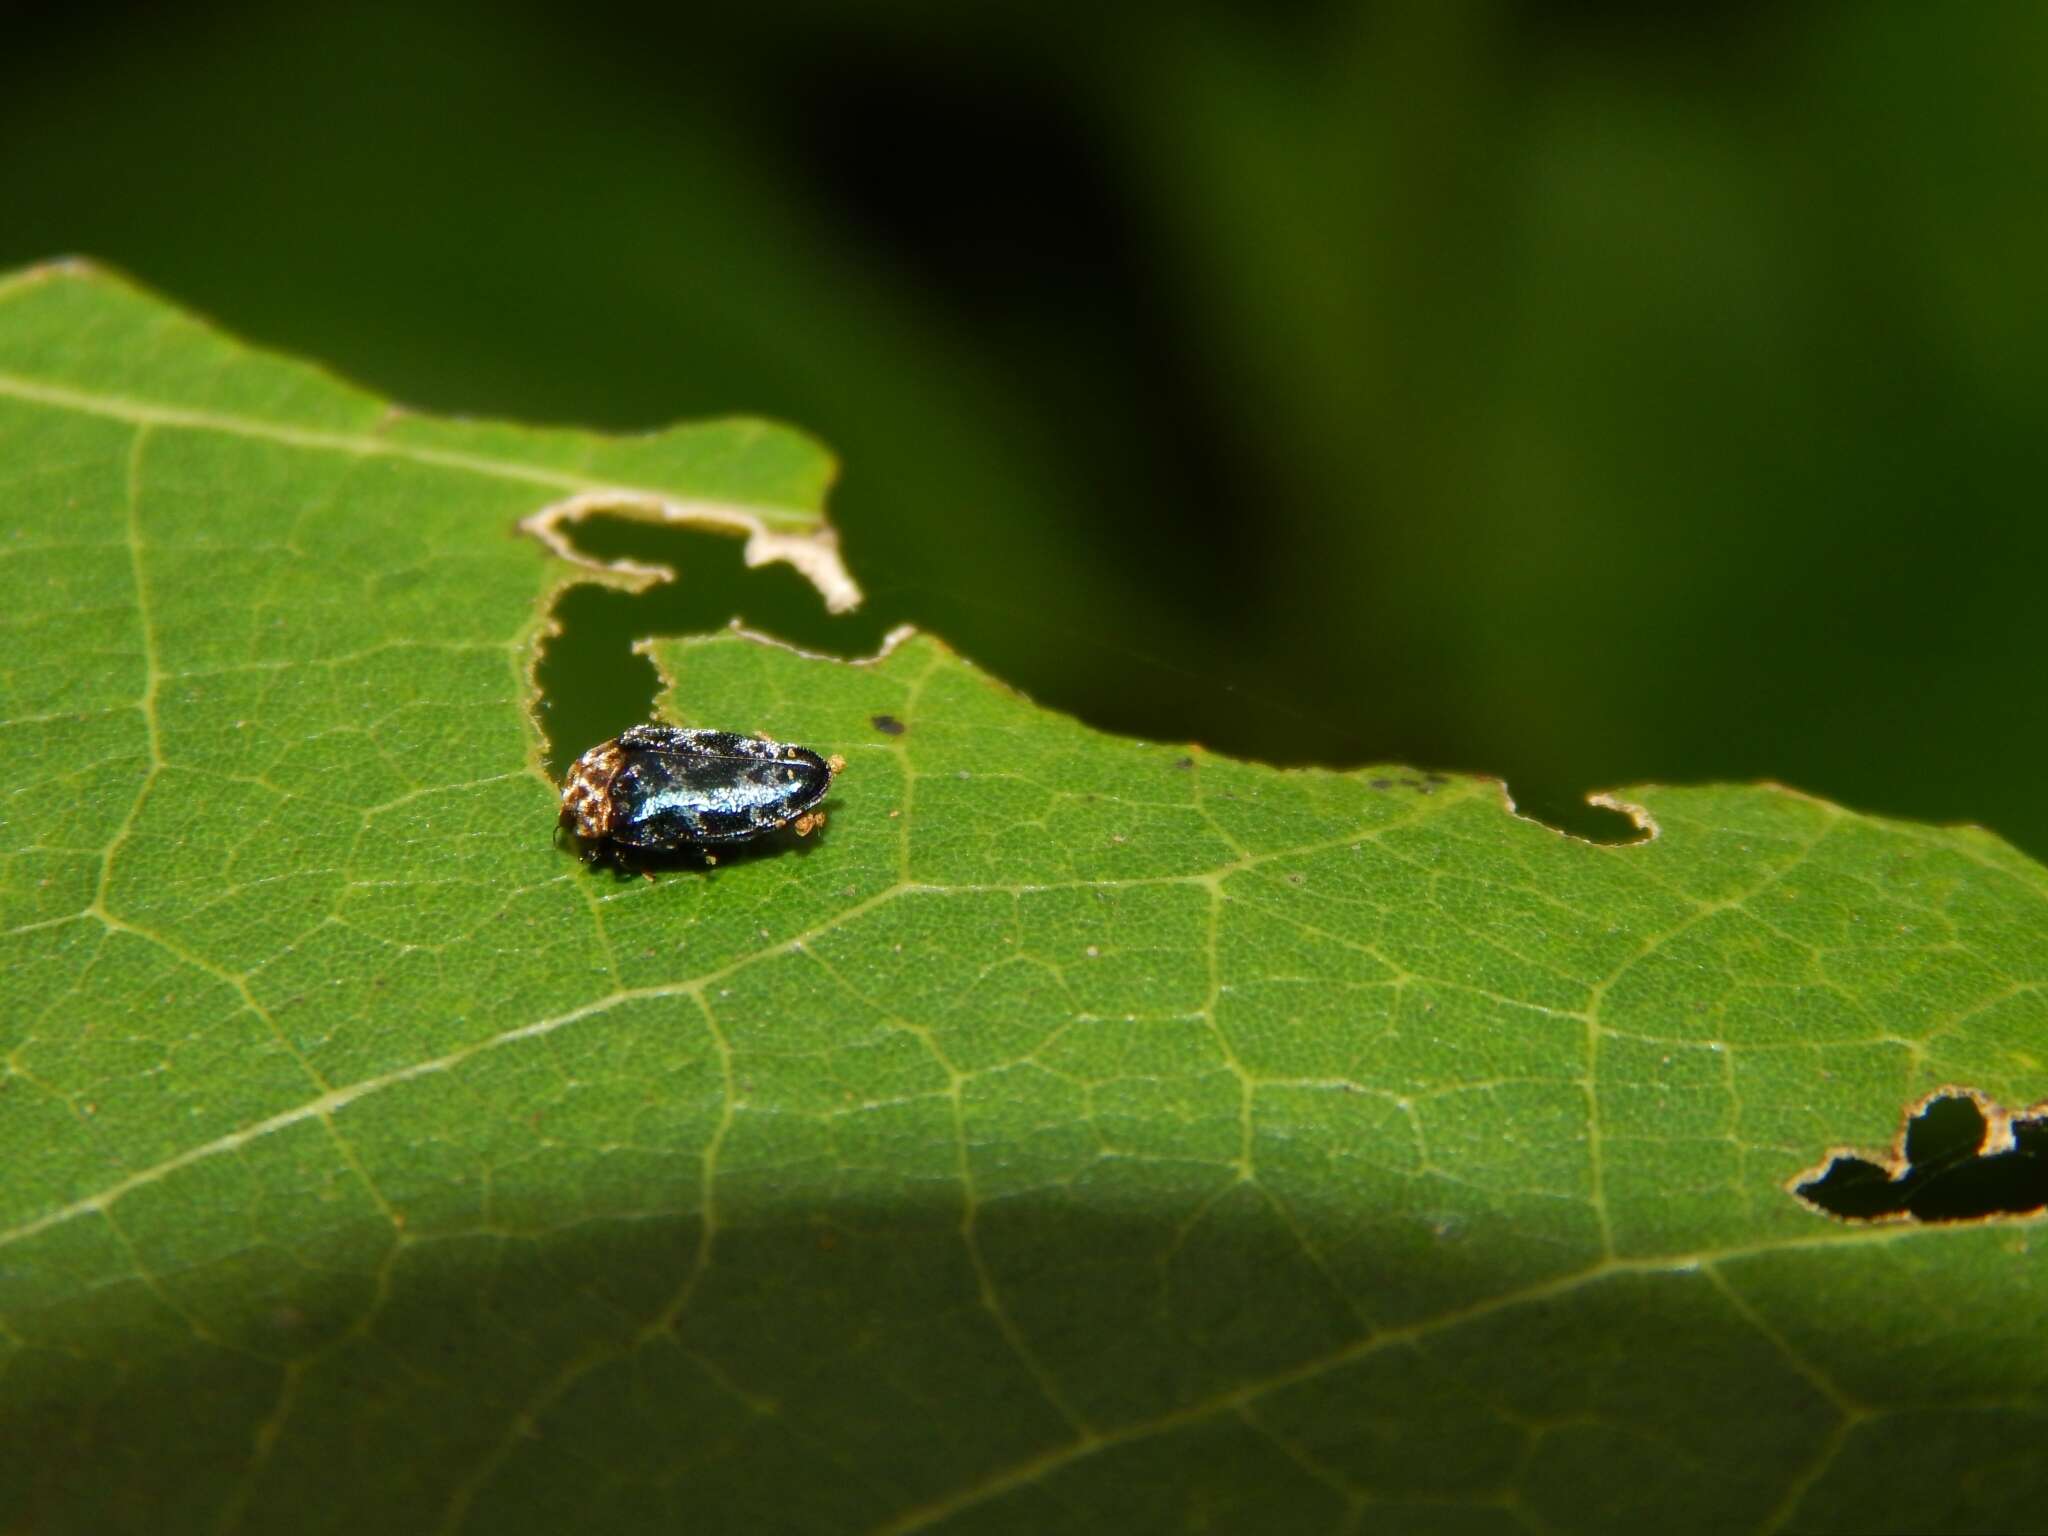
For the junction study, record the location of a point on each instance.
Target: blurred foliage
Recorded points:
(1569, 392)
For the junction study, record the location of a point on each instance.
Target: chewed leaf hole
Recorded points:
(1961, 1158)
(592, 684)
(1591, 819)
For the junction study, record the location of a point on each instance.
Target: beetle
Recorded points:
(669, 789)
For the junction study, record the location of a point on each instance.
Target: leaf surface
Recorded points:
(1077, 1134)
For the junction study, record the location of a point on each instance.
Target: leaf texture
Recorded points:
(1077, 1134)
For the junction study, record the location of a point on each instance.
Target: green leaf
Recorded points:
(1076, 1134)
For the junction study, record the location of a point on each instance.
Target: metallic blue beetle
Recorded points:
(665, 789)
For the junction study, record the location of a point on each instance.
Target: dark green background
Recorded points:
(1560, 391)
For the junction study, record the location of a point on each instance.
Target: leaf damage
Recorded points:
(1642, 826)
(814, 555)
(1959, 1156)
(1125, 1097)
